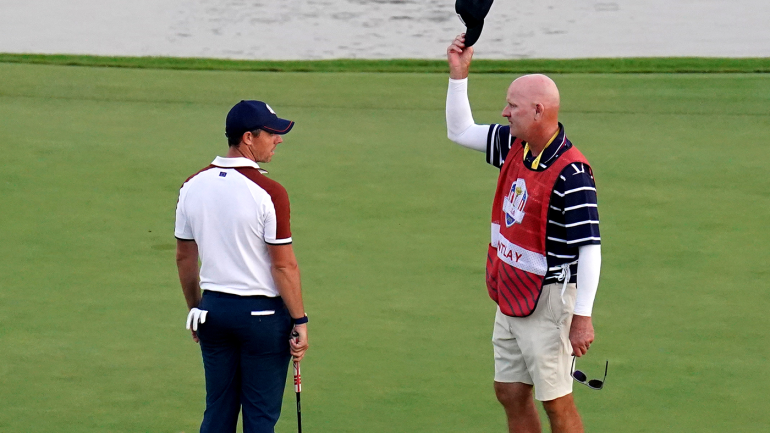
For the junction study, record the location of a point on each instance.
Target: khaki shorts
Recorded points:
(535, 349)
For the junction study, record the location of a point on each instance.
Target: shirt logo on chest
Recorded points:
(514, 202)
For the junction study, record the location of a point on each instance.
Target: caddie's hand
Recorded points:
(581, 335)
(195, 317)
(299, 344)
(459, 58)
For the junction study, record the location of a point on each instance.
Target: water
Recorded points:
(324, 29)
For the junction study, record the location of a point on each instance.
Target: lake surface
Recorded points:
(378, 29)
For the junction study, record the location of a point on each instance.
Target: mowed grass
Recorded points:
(390, 222)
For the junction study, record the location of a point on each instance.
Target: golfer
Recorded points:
(236, 221)
(544, 255)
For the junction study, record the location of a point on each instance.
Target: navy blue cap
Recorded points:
(472, 14)
(251, 115)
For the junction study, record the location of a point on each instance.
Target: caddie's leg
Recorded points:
(563, 415)
(513, 383)
(553, 351)
(265, 361)
(221, 363)
(519, 406)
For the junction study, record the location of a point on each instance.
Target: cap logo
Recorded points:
(461, 20)
(269, 109)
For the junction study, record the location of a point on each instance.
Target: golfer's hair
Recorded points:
(236, 139)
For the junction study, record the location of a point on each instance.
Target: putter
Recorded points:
(297, 387)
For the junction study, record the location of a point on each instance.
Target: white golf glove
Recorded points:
(196, 316)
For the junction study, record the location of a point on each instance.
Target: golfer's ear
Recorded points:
(539, 110)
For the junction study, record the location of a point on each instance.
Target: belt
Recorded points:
(217, 294)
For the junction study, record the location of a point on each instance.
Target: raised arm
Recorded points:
(459, 58)
(459, 120)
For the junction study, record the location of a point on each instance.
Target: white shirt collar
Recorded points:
(240, 161)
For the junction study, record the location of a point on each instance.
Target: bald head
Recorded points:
(537, 89)
(533, 107)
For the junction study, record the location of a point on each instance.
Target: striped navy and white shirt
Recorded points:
(573, 218)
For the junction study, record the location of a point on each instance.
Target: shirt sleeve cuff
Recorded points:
(285, 241)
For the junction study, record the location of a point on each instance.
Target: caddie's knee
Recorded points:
(560, 406)
(513, 395)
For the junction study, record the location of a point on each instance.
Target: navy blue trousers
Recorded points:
(245, 357)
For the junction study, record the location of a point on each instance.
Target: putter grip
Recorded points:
(297, 378)
(297, 373)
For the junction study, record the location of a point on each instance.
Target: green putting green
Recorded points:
(390, 222)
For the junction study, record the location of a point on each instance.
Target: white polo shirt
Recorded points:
(232, 211)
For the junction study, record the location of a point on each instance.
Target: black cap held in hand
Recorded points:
(251, 115)
(472, 14)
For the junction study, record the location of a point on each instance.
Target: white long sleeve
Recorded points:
(589, 266)
(460, 127)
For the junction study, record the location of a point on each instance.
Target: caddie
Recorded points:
(236, 220)
(544, 256)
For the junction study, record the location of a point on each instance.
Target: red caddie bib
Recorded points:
(516, 259)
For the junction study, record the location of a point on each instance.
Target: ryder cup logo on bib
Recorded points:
(514, 202)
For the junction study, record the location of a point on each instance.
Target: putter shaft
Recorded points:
(297, 391)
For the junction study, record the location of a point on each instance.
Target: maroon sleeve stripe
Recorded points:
(278, 195)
